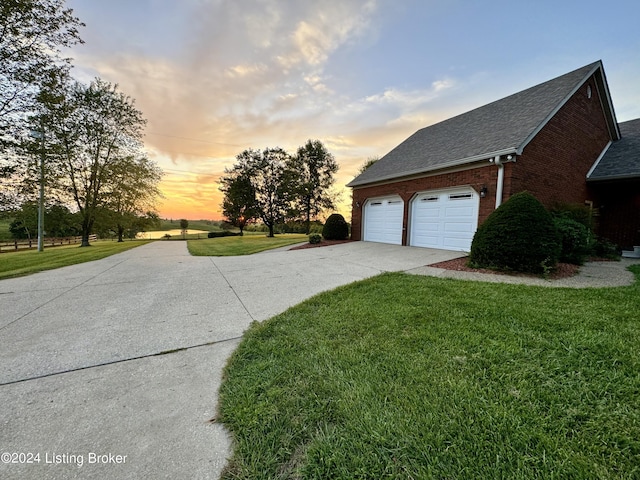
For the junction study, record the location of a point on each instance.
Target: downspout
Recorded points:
(500, 184)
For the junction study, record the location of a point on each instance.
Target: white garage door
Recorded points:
(445, 219)
(383, 220)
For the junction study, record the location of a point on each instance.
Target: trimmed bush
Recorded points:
(224, 233)
(519, 235)
(335, 228)
(603, 248)
(574, 238)
(315, 238)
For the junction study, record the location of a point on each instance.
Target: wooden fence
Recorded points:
(17, 245)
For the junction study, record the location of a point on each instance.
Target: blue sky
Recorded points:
(214, 77)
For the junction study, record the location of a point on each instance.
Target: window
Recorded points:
(589, 91)
(460, 196)
(429, 199)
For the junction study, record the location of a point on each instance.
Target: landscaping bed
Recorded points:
(562, 270)
(323, 243)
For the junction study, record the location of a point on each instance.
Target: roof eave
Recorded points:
(615, 177)
(442, 166)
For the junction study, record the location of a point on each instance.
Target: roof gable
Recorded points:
(498, 128)
(622, 158)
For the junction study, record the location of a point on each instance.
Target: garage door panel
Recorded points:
(457, 227)
(455, 243)
(383, 220)
(444, 219)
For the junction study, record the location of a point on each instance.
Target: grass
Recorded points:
(14, 264)
(411, 377)
(245, 245)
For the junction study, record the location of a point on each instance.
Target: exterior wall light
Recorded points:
(483, 191)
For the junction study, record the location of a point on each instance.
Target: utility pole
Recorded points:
(40, 135)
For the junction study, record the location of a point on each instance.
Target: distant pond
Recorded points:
(155, 235)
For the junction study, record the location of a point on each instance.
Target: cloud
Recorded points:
(253, 74)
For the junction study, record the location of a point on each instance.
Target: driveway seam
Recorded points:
(122, 360)
(232, 289)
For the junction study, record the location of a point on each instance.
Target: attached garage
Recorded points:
(445, 219)
(383, 220)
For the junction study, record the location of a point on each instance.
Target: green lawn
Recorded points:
(14, 264)
(245, 245)
(411, 377)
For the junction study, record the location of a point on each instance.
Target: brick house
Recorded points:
(559, 140)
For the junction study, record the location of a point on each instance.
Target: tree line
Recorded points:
(273, 186)
(83, 142)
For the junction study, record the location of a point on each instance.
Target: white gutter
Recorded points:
(595, 164)
(434, 168)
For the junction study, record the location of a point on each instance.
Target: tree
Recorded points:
(90, 132)
(370, 161)
(238, 205)
(60, 222)
(32, 35)
(131, 192)
(312, 172)
(267, 173)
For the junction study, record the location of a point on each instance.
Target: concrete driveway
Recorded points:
(110, 369)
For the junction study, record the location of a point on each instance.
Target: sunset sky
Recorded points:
(215, 77)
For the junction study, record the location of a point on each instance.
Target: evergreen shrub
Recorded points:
(315, 239)
(224, 233)
(335, 228)
(519, 235)
(574, 238)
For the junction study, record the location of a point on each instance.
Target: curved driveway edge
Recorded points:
(110, 369)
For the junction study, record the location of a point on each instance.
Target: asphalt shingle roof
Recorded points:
(501, 127)
(622, 159)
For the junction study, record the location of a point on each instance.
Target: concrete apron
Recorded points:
(111, 369)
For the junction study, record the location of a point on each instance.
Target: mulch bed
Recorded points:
(323, 243)
(562, 270)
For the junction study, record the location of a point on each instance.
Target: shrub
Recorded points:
(519, 235)
(579, 213)
(574, 240)
(315, 238)
(224, 233)
(335, 228)
(603, 248)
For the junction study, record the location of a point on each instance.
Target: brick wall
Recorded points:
(618, 207)
(554, 165)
